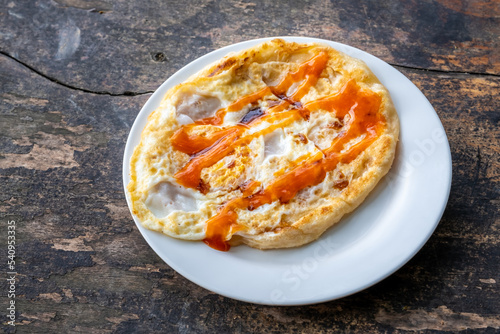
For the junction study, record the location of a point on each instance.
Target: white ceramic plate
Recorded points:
(379, 237)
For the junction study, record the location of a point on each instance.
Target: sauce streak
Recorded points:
(364, 119)
(185, 141)
(251, 115)
(249, 187)
(362, 107)
(218, 119)
(307, 75)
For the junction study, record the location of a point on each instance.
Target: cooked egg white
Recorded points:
(163, 204)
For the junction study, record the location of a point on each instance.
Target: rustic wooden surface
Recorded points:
(73, 76)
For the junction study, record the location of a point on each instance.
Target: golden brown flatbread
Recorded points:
(268, 147)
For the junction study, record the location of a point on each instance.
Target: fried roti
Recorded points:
(268, 147)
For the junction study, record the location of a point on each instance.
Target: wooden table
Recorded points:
(73, 76)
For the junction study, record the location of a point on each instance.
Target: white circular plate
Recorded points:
(368, 245)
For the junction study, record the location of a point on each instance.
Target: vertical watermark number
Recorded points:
(11, 272)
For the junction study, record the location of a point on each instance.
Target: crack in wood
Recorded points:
(56, 81)
(129, 93)
(434, 70)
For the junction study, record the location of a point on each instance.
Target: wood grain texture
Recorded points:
(73, 76)
(145, 42)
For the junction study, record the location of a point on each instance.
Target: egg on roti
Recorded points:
(268, 147)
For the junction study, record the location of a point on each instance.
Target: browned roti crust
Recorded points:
(168, 197)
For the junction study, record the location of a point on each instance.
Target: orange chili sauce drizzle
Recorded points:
(182, 140)
(190, 175)
(364, 118)
(209, 150)
(218, 119)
